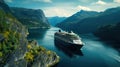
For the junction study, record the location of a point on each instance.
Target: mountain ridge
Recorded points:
(68, 22)
(90, 24)
(79, 15)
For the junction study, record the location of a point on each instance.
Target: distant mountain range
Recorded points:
(31, 18)
(89, 21)
(68, 22)
(54, 20)
(79, 16)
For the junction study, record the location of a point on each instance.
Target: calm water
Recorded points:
(93, 54)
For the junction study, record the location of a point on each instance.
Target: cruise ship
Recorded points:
(71, 39)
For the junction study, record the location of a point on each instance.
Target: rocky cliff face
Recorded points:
(14, 37)
(31, 18)
(15, 50)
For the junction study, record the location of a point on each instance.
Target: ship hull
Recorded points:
(66, 44)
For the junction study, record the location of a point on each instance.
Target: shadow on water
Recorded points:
(38, 33)
(67, 50)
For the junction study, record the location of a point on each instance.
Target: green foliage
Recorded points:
(33, 51)
(9, 44)
(11, 36)
(49, 52)
(3, 24)
(1, 54)
(29, 57)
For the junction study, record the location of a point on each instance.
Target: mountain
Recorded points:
(66, 24)
(12, 36)
(31, 18)
(55, 20)
(15, 49)
(90, 24)
(79, 16)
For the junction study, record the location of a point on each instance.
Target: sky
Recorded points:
(64, 8)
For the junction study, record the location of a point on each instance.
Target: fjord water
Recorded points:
(94, 53)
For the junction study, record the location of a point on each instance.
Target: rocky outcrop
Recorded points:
(35, 56)
(14, 34)
(31, 18)
(15, 50)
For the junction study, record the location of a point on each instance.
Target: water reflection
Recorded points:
(67, 50)
(38, 33)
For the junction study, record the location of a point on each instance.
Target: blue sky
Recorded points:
(64, 7)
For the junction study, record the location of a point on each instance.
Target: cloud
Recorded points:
(47, 1)
(117, 1)
(64, 11)
(87, 1)
(99, 2)
(57, 11)
(9, 1)
(64, 7)
(84, 1)
(96, 7)
(83, 8)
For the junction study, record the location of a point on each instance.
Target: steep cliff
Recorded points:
(15, 49)
(31, 18)
(13, 35)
